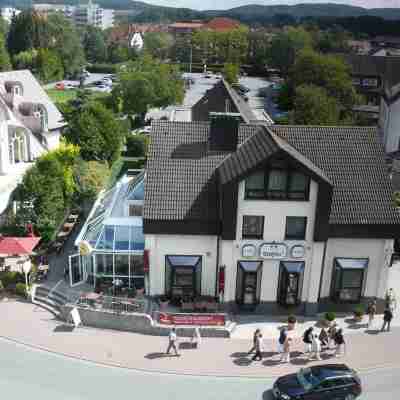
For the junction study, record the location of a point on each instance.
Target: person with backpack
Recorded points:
(307, 339)
(282, 339)
(387, 318)
(371, 311)
(323, 338)
(172, 339)
(340, 343)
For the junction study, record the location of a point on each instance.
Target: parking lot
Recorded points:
(88, 82)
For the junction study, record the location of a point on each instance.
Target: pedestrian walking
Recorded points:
(255, 334)
(316, 347)
(66, 273)
(340, 343)
(196, 338)
(387, 318)
(332, 330)
(286, 350)
(172, 339)
(391, 301)
(258, 355)
(371, 311)
(324, 339)
(282, 339)
(307, 339)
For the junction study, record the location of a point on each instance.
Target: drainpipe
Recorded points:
(217, 268)
(322, 271)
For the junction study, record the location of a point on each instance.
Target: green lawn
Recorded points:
(61, 96)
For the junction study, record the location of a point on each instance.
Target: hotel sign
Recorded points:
(273, 250)
(249, 250)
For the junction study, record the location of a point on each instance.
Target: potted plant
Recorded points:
(329, 318)
(291, 322)
(163, 302)
(358, 313)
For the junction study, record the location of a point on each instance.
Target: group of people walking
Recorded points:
(314, 343)
(390, 306)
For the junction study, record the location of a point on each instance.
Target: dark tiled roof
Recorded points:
(261, 144)
(181, 177)
(215, 101)
(354, 160)
(180, 173)
(387, 68)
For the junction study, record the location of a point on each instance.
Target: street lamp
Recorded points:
(26, 266)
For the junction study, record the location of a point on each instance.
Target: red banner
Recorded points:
(192, 319)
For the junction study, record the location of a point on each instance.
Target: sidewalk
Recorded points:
(33, 326)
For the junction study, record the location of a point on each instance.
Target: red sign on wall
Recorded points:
(192, 319)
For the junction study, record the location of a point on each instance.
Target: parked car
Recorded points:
(85, 73)
(107, 81)
(240, 88)
(59, 86)
(145, 129)
(103, 88)
(321, 382)
(69, 86)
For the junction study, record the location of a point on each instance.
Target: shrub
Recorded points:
(103, 68)
(136, 146)
(359, 311)
(20, 289)
(292, 319)
(11, 278)
(330, 316)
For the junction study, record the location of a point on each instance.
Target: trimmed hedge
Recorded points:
(103, 68)
(11, 278)
(20, 289)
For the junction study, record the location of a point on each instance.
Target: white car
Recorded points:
(103, 88)
(69, 86)
(107, 81)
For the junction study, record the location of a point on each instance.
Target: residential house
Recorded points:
(222, 24)
(30, 125)
(271, 219)
(371, 75)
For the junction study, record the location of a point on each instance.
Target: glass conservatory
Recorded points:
(113, 239)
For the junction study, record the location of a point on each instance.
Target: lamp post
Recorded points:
(26, 266)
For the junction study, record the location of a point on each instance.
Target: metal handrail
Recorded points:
(117, 305)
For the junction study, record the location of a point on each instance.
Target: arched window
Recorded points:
(17, 147)
(41, 113)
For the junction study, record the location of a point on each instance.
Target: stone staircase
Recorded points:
(50, 299)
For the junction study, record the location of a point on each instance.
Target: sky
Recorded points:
(224, 4)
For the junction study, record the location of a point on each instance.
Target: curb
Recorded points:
(366, 370)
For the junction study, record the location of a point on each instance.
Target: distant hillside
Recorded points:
(141, 11)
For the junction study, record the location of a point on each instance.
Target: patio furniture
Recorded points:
(187, 306)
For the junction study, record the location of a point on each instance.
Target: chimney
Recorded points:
(224, 130)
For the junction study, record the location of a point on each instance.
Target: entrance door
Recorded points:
(250, 288)
(77, 271)
(290, 278)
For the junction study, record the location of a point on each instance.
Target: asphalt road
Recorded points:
(28, 373)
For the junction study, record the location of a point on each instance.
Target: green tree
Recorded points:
(158, 44)
(147, 83)
(48, 65)
(94, 44)
(26, 60)
(329, 72)
(231, 73)
(91, 177)
(5, 64)
(28, 30)
(96, 130)
(286, 45)
(314, 106)
(66, 42)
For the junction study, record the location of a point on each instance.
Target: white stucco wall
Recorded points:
(390, 125)
(160, 246)
(275, 213)
(52, 138)
(378, 251)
